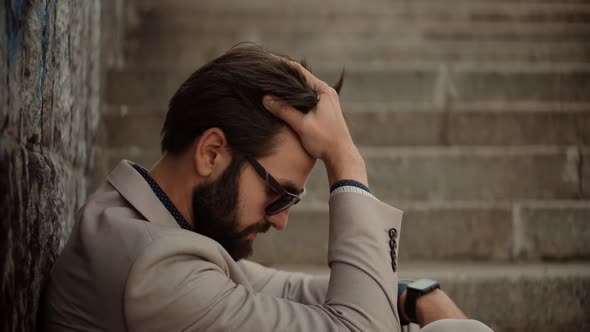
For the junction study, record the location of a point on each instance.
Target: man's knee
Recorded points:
(456, 325)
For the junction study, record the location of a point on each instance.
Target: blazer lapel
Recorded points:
(131, 185)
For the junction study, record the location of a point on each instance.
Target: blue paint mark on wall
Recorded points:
(16, 11)
(44, 17)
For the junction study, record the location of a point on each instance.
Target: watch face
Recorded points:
(423, 284)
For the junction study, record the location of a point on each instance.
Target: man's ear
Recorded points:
(211, 153)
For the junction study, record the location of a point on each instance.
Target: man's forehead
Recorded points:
(289, 163)
(288, 146)
(287, 138)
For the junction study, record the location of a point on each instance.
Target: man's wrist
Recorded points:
(346, 165)
(429, 303)
(422, 301)
(415, 297)
(430, 307)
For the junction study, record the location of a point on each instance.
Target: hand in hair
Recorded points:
(323, 132)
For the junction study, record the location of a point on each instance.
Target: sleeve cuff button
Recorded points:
(393, 233)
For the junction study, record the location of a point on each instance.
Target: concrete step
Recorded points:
(189, 27)
(376, 125)
(508, 297)
(501, 231)
(455, 127)
(447, 173)
(199, 50)
(306, 7)
(417, 84)
(191, 33)
(454, 10)
(468, 173)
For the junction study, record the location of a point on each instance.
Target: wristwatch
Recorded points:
(414, 291)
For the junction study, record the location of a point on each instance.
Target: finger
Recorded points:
(315, 82)
(283, 111)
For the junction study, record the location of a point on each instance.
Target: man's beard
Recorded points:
(215, 210)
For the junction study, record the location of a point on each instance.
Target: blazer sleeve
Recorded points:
(294, 286)
(173, 287)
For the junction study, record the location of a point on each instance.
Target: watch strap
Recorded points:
(401, 287)
(410, 305)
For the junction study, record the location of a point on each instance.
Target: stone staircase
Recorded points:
(473, 117)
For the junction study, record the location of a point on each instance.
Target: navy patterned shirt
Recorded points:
(163, 197)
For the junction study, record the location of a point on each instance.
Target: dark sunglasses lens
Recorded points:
(282, 203)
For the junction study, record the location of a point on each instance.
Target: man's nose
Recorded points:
(279, 220)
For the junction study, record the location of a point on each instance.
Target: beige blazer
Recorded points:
(129, 266)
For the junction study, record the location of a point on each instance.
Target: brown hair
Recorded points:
(227, 93)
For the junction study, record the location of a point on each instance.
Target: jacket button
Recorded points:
(392, 244)
(392, 233)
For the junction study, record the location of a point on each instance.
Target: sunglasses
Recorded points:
(286, 198)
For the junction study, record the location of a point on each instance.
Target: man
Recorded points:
(162, 250)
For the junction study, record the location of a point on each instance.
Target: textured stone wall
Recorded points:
(50, 69)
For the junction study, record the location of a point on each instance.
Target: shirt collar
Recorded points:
(163, 197)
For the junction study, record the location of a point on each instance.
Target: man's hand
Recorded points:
(323, 132)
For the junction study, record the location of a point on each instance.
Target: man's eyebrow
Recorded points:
(291, 187)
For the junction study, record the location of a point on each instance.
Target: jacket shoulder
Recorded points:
(87, 282)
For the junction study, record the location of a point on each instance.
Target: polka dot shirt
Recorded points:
(163, 197)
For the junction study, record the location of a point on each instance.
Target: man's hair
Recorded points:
(227, 93)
